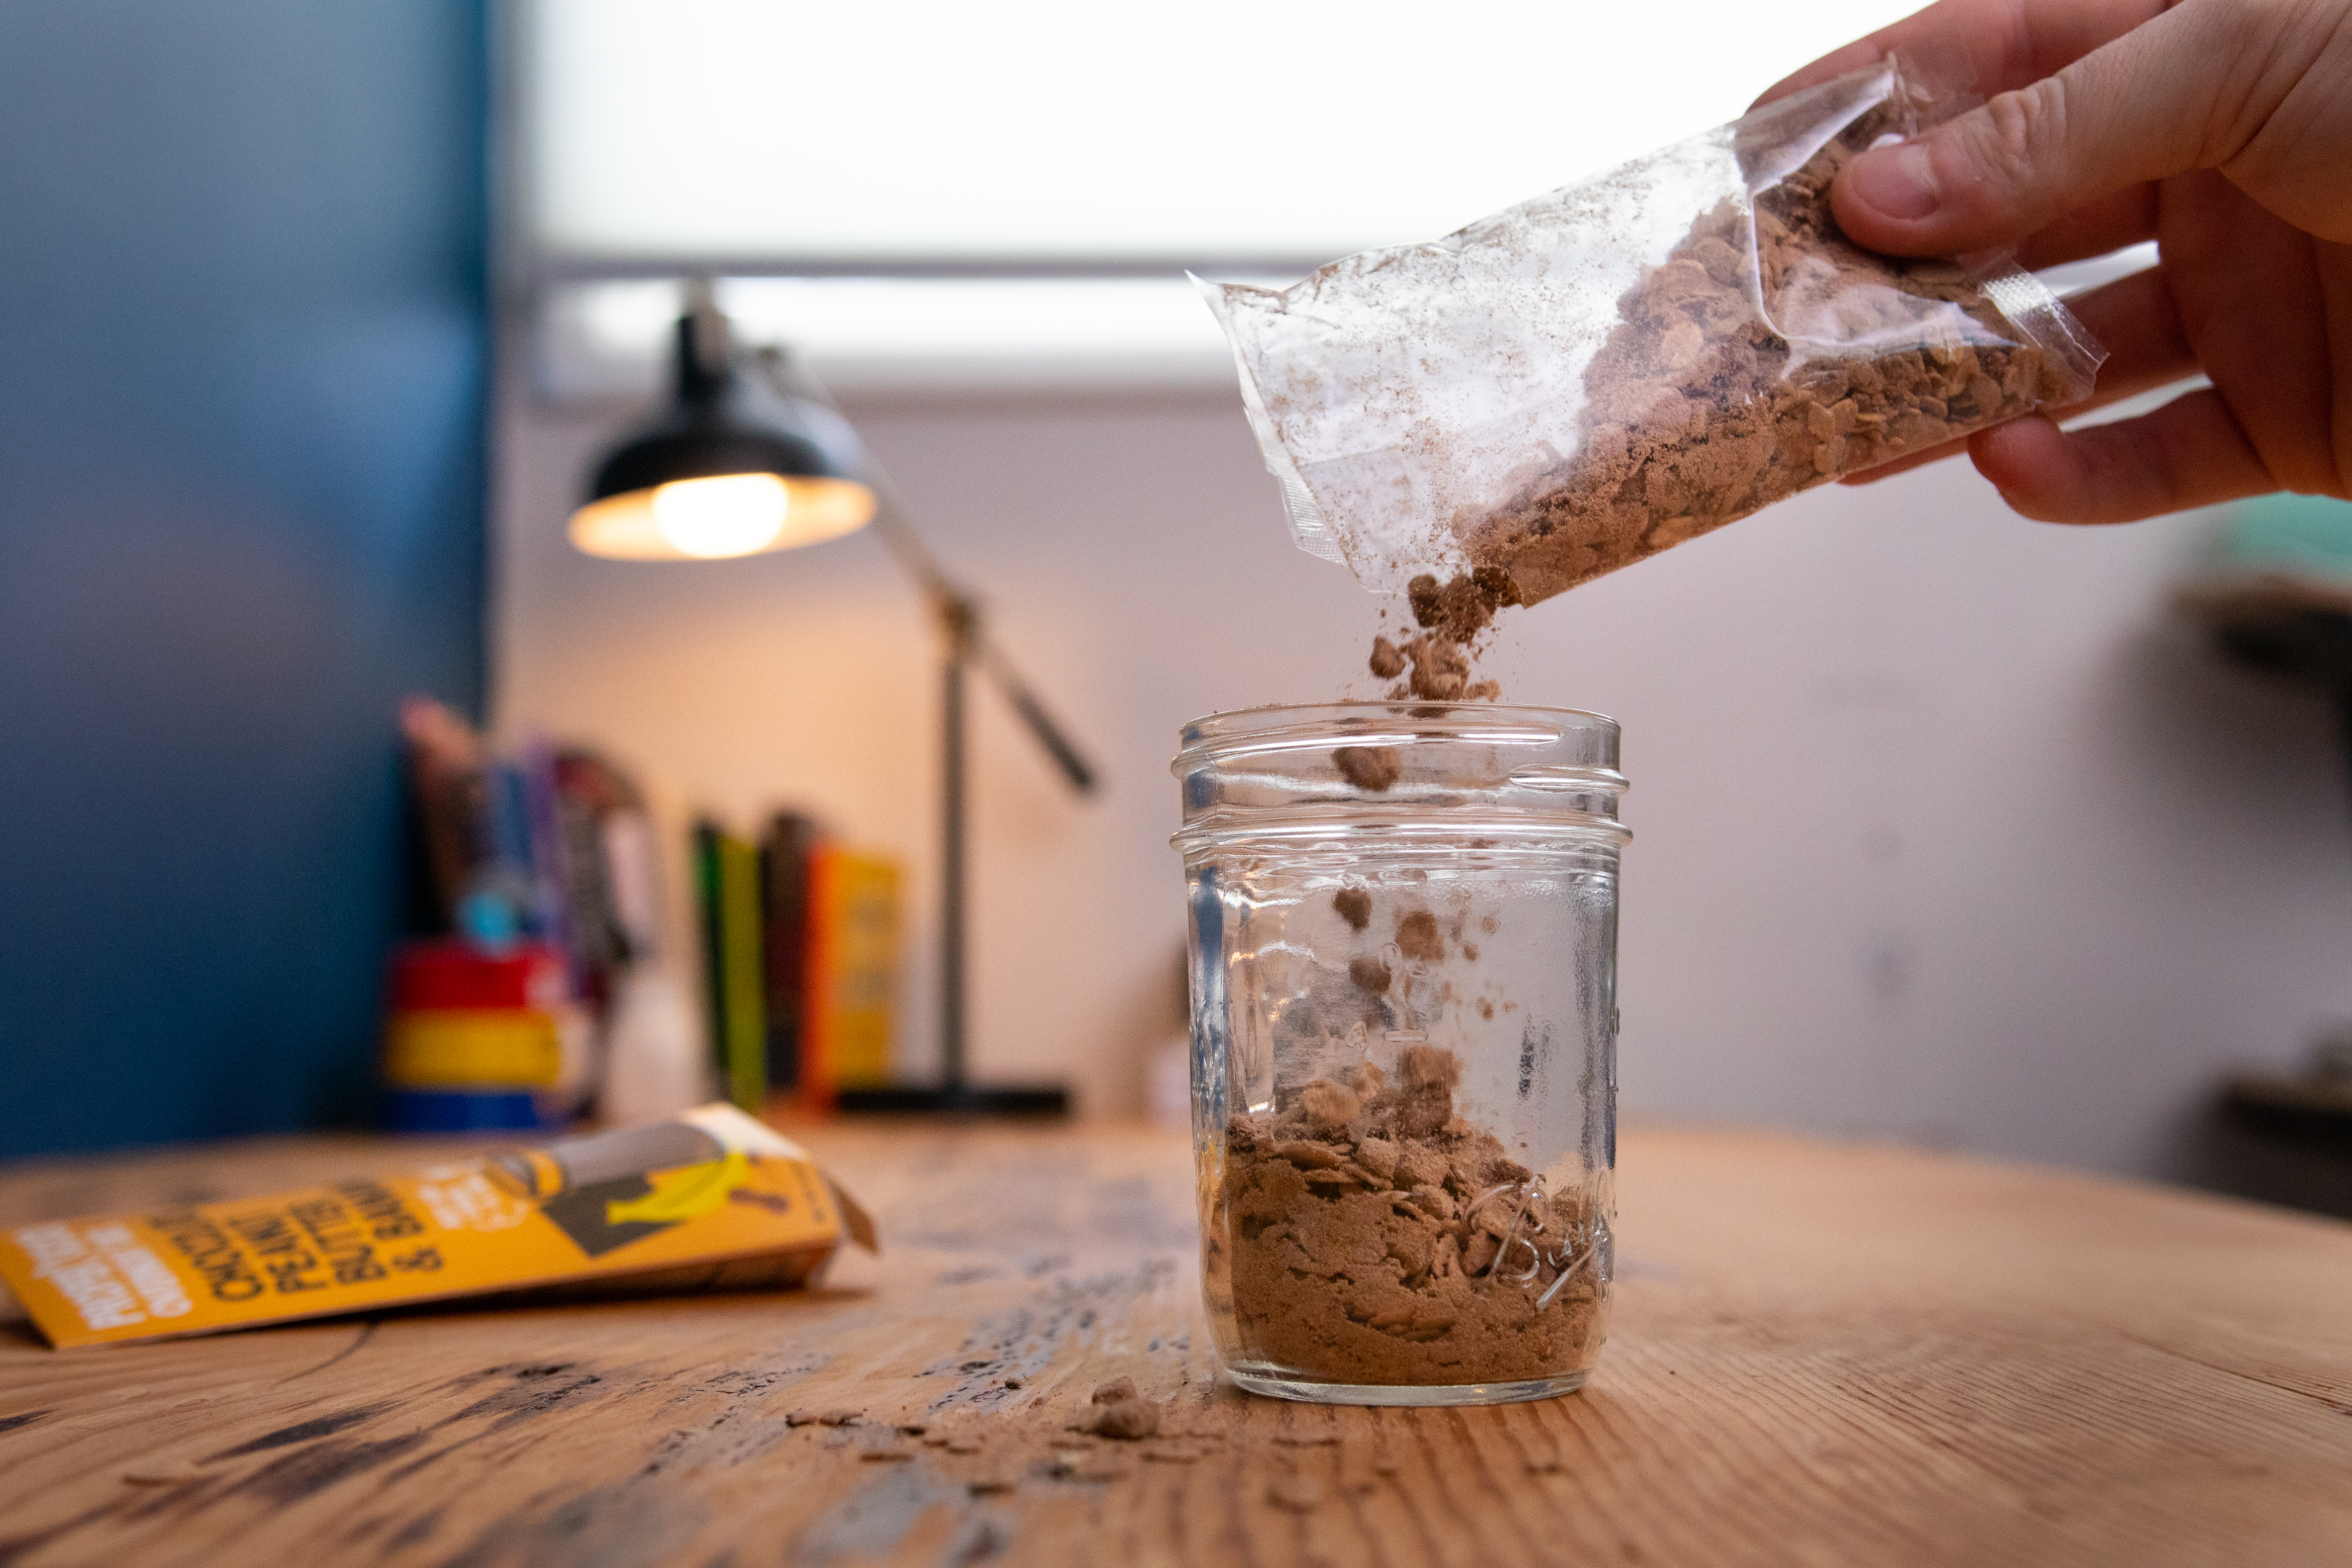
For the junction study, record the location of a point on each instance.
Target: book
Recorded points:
(447, 801)
(850, 985)
(783, 887)
(599, 825)
(554, 848)
(727, 871)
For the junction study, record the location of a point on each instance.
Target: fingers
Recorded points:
(2107, 225)
(2188, 453)
(2164, 98)
(2005, 43)
(2263, 302)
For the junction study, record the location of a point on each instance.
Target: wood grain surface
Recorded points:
(1822, 1355)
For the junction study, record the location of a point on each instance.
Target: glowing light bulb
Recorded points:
(731, 514)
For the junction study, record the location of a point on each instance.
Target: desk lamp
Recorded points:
(717, 476)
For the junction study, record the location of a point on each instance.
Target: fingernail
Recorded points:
(1896, 180)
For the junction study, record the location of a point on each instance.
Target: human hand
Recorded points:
(2222, 130)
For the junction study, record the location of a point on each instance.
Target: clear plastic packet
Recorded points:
(1594, 375)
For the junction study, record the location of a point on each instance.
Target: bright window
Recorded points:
(1047, 139)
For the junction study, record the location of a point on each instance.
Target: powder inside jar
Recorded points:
(1373, 1236)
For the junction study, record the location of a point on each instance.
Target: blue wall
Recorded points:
(243, 343)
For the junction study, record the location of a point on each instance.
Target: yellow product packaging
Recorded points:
(711, 1200)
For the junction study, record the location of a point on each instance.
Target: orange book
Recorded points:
(851, 986)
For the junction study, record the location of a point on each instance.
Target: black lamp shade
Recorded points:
(713, 479)
(701, 448)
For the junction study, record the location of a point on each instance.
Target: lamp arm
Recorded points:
(793, 382)
(1025, 702)
(959, 612)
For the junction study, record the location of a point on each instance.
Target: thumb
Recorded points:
(2165, 98)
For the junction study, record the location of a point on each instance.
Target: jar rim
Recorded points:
(1308, 773)
(1244, 729)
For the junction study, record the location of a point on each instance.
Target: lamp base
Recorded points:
(1050, 1101)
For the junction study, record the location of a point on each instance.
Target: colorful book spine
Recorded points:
(728, 869)
(783, 887)
(851, 983)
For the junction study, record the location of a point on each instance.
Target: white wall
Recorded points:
(1941, 830)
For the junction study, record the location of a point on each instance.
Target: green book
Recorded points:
(728, 871)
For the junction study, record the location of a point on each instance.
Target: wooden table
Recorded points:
(1822, 1355)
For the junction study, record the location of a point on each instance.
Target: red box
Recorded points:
(433, 976)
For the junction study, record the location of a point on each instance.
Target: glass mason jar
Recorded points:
(1403, 958)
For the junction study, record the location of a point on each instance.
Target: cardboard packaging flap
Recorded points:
(711, 1198)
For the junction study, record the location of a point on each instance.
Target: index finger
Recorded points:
(2007, 44)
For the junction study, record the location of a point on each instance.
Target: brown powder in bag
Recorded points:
(1699, 412)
